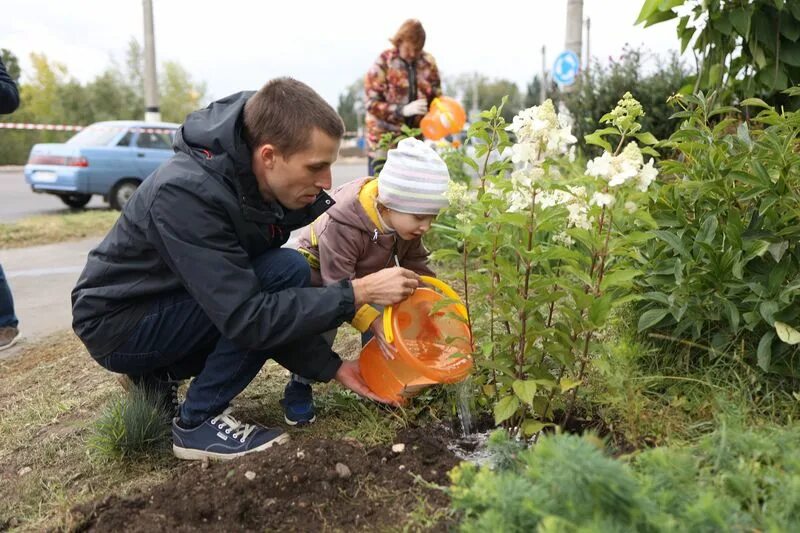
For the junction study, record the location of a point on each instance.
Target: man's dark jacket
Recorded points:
(196, 224)
(9, 94)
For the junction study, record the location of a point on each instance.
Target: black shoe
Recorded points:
(164, 388)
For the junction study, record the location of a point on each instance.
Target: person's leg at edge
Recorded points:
(9, 333)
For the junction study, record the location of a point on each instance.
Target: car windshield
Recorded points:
(96, 135)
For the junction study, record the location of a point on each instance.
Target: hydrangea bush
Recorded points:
(547, 251)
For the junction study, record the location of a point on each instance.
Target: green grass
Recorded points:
(132, 426)
(46, 229)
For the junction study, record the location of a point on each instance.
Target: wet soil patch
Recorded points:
(304, 485)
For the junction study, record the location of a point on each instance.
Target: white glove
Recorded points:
(417, 107)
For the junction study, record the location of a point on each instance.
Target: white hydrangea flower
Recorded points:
(493, 190)
(519, 201)
(631, 207)
(627, 167)
(602, 199)
(458, 194)
(647, 175)
(555, 197)
(563, 238)
(578, 215)
(600, 166)
(541, 132)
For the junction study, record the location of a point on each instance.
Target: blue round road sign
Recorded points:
(566, 67)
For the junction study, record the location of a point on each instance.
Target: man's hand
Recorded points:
(385, 287)
(349, 375)
(388, 350)
(417, 107)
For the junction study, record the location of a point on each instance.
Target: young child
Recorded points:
(376, 223)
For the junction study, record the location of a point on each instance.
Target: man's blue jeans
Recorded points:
(176, 339)
(7, 316)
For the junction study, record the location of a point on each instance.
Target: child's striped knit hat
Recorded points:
(414, 179)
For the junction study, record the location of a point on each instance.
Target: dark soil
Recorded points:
(297, 487)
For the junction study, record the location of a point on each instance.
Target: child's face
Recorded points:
(409, 227)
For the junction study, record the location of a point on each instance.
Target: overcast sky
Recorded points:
(236, 44)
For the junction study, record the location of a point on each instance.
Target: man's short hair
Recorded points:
(284, 112)
(412, 31)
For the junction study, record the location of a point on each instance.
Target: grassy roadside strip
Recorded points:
(47, 229)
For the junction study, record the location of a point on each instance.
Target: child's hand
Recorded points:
(388, 350)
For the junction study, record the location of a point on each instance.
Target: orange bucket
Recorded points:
(433, 345)
(446, 116)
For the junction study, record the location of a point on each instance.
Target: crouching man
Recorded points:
(192, 281)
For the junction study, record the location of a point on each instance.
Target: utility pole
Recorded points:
(151, 109)
(543, 84)
(574, 31)
(588, 44)
(475, 111)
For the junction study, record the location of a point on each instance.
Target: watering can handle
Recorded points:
(446, 289)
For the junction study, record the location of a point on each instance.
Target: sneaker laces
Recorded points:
(239, 429)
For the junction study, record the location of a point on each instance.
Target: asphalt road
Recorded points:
(42, 277)
(18, 201)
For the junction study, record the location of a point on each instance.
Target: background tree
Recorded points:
(50, 95)
(11, 62)
(745, 48)
(602, 86)
(180, 95)
(351, 105)
(490, 92)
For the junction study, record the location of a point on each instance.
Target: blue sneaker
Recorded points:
(223, 437)
(298, 404)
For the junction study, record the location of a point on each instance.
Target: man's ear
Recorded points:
(268, 155)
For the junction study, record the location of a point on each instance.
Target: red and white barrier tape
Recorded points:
(48, 127)
(69, 127)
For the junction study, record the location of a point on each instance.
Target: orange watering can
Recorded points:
(445, 117)
(432, 345)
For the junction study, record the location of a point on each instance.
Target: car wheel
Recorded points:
(75, 200)
(121, 193)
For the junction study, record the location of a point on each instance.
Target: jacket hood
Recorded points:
(213, 137)
(348, 209)
(217, 130)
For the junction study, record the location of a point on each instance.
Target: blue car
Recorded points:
(107, 158)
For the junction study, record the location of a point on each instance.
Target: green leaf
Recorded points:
(755, 102)
(764, 352)
(596, 139)
(777, 249)
(651, 318)
(787, 333)
(505, 409)
(618, 278)
(598, 312)
(744, 134)
(531, 427)
(767, 310)
(707, 230)
(660, 16)
(740, 19)
(569, 384)
(649, 7)
(673, 240)
(646, 137)
(525, 390)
